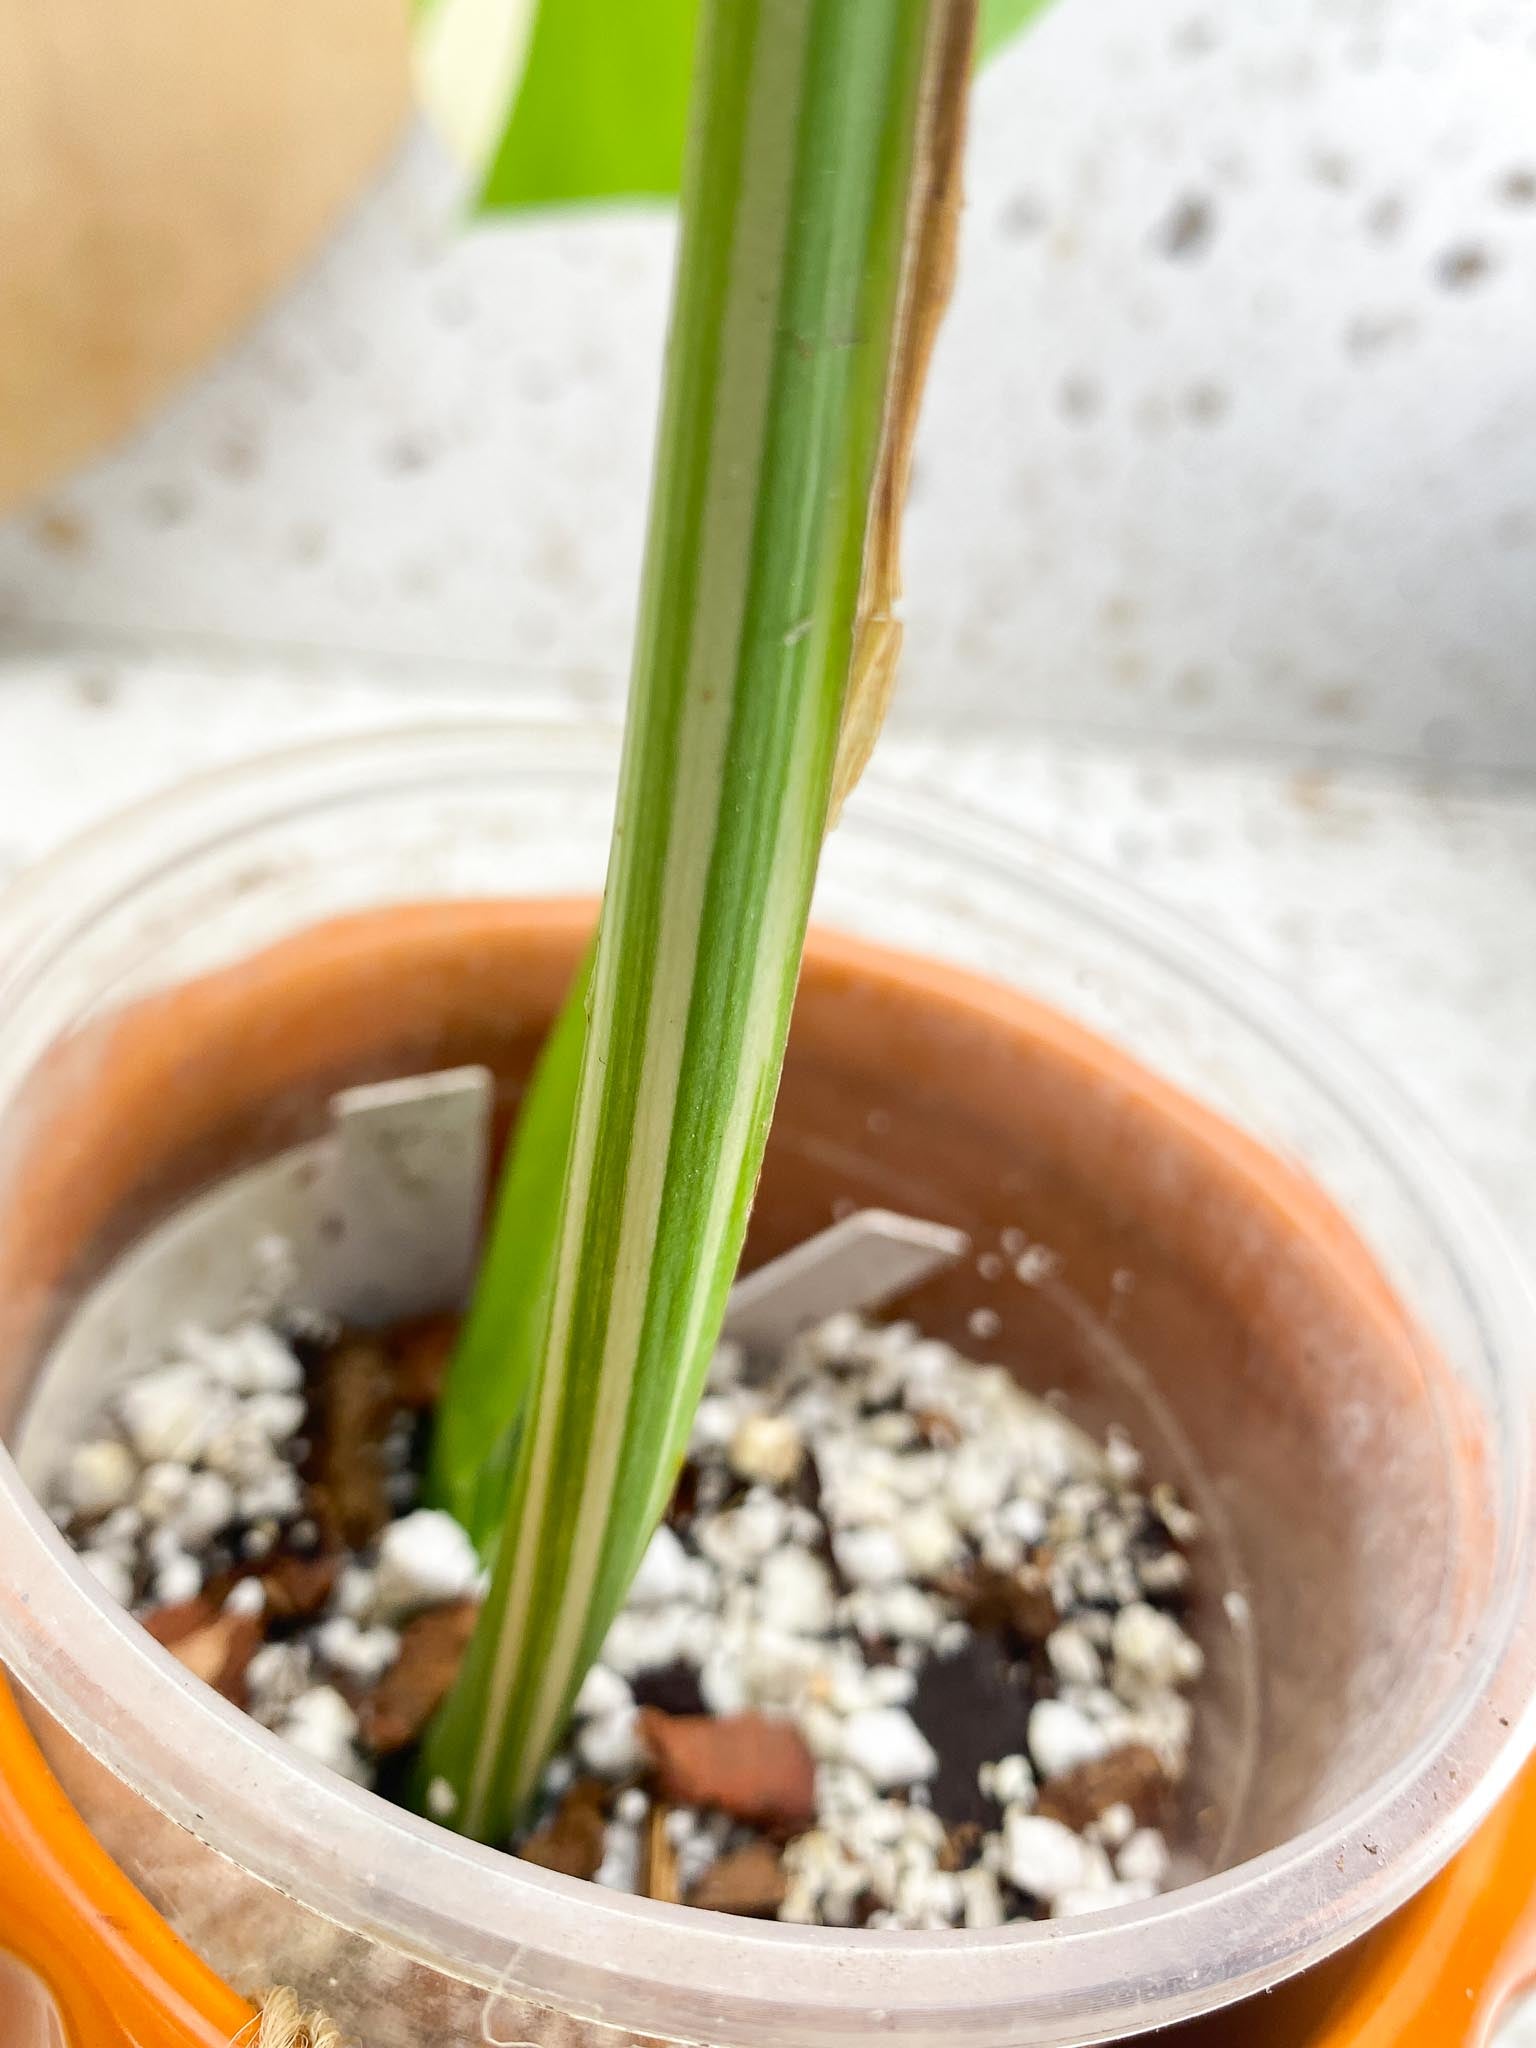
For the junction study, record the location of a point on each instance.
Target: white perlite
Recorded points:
(321, 1724)
(920, 1464)
(768, 1447)
(193, 1469)
(1062, 1736)
(362, 1655)
(197, 1448)
(424, 1559)
(99, 1476)
(886, 1744)
(173, 1413)
(1045, 1859)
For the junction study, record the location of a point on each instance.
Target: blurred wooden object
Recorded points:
(164, 165)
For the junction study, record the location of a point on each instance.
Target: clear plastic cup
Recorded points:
(1357, 1744)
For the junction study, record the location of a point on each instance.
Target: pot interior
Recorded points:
(1199, 1292)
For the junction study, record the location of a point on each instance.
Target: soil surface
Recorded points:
(906, 1652)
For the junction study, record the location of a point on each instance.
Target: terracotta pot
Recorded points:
(1351, 1455)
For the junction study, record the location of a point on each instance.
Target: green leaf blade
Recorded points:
(1002, 20)
(601, 109)
(496, 1357)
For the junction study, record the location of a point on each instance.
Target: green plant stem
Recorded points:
(795, 228)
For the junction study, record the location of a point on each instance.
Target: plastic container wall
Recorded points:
(1360, 1436)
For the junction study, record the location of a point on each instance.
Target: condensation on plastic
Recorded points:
(275, 1869)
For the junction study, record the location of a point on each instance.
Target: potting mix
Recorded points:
(907, 1650)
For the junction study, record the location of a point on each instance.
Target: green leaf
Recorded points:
(497, 1354)
(602, 108)
(794, 255)
(1001, 20)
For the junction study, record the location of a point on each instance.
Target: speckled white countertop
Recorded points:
(1231, 427)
